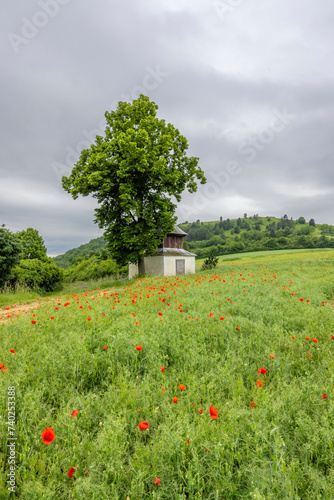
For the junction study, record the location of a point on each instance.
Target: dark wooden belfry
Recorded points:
(173, 239)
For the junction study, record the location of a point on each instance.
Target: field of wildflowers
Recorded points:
(217, 385)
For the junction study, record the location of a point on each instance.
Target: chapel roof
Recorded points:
(178, 231)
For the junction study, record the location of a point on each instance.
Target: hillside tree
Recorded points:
(10, 252)
(132, 172)
(32, 244)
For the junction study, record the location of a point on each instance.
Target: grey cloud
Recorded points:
(224, 79)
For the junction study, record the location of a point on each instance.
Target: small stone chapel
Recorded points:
(170, 259)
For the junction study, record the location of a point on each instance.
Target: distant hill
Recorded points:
(94, 247)
(254, 233)
(222, 237)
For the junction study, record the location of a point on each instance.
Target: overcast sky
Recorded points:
(248, 83)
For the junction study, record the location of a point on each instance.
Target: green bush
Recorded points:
(210, 263)
(93, 268)
(38, 275)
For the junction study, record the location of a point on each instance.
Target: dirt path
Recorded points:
(10, 313)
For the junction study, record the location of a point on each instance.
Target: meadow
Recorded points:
(210, 386)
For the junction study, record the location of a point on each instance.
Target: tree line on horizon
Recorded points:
(221, 237)
(24, 262)
(254, 233)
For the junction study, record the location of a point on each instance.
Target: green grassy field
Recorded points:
(212, 332)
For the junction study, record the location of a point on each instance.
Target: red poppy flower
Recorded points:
(89, 318)
(137, 323)
(163, 390)
(105, 347)
(272, 356)
(139, 347)
(1, 365)
(200, 411)
(213, 412)
(12, 350)
(263, 371)
(52, 317)
(307, 338)
(74, 413)
(175, 399)
(182, 387)
(221, 317)
(33, 322)
(5, 369)
(309, 356)
(71, 471)
(332, 337)
(143, 425)
(316, 341)
(160, 314)
(48, 435)
(293, 337)
(157, 481)
(301, 300)
(237, 328)
(324, 396)
(162, 369)
(259, 383)
(253, 404)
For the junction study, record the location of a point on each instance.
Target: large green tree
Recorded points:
(132, 172)
(32, 244)
(10, 252)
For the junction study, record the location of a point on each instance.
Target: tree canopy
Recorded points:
(32, 244)
(10, 251)
(132, 172)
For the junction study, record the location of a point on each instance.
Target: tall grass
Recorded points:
(281, 446)
(18, 295)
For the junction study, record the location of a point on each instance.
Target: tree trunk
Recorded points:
(141, 267)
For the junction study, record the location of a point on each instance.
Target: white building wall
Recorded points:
(154, 265)
(133, 270)
(170, 264)
(163, 266)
